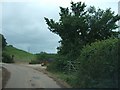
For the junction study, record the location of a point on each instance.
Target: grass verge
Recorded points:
(56, 77)
(69, 78)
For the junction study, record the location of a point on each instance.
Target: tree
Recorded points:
(6, 58)
(42, 56)
(4, 43)
(79, 26)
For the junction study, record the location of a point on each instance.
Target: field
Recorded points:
(19, 55)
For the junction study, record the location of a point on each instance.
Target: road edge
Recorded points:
(5, 76)
(60, 82)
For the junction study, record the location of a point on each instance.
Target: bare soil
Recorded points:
(42, 69)
(60, 82)
(28, 78)
(39, 68)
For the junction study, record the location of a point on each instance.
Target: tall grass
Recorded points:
(19, 55)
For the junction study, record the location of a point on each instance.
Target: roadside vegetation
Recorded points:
(43, 58)
(6, 58)
(89, 50)
(11, 54)
(99, 65)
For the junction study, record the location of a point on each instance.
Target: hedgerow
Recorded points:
(99, 65)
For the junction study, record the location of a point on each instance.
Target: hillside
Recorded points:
(19, 55)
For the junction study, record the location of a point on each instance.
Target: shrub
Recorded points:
(99, 65)
(6, 58)
(43, 58)
(57, 65)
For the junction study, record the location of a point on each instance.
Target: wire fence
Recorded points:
(71, 66)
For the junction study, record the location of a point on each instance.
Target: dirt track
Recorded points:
(25, 77)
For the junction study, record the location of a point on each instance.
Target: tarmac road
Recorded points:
(25, 77)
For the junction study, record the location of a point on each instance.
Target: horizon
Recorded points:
(24, 27)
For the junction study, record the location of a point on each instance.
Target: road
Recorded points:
(25, 77)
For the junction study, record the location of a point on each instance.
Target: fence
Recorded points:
(72, 66)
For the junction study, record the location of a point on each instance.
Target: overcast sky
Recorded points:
(23, 25)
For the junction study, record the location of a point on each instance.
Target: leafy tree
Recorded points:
(79, 26)
(42, 56)
(6, 58)
(4, 43)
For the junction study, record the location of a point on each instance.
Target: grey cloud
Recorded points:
(25, 27)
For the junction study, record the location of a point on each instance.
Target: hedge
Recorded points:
(99, 65)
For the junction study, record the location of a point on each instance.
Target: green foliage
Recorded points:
(58, 65)
(19, 55)
(79, 26)
(6, 58)
(3, 42)
(99, 65)
(69, 78)
(9, 50)
(43, 57)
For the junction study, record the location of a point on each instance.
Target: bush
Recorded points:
(6, 58)
(99, 65)
(57, 65)
(43, 58)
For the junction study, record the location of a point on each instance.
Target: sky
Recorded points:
(23, 25)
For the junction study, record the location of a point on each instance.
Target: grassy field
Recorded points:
(19, 55)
